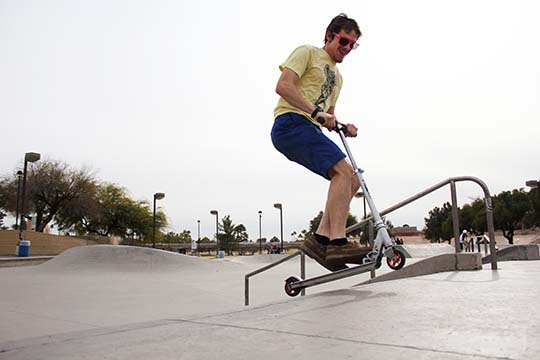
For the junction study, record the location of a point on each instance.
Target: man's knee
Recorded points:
(343, 169)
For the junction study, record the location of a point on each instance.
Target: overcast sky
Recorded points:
(177, 97)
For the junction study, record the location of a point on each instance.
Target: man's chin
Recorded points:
(339, 59)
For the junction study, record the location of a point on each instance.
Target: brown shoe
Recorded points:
(349, 253)
(317, 252)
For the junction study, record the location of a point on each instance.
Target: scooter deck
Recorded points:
(336, 275)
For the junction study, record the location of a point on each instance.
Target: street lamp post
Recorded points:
(19, 176)
(199, 230)
(28, 157)
(260, 232)
(157, 196)
(215, 212)
(280, 207)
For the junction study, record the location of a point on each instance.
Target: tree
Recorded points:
(183, 237)
(294, 234)
(509, 210)
(4, 192)
(437, 224)
(51, 186)
(2, 215)
(230, 234)
(205, 240)
(113, 212)
(170, 238)
(472, 216)
(532, 218)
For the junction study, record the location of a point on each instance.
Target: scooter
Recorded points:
(383, 245)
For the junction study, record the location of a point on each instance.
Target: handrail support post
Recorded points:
(455, 216)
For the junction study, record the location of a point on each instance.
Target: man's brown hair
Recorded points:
(342, 22)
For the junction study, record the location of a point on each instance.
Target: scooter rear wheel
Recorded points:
(288, 290)
(398, 262)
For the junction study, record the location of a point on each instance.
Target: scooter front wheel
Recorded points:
(398, 261)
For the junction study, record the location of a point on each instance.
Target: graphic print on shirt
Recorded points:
(327, 87)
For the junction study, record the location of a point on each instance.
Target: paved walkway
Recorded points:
(119, 303)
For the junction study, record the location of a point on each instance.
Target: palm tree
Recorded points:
(230, 234)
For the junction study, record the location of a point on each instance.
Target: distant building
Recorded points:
(406, 231)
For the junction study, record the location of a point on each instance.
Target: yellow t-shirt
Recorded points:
(320, 81)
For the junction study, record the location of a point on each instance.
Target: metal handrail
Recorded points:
(272, 265)
(455, 219)
(450, 181)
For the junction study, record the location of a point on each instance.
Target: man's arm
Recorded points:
(350, 129)
(287, 89)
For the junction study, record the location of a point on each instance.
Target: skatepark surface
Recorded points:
(119, 302)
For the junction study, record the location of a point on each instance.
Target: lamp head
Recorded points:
(214, 212)
(31, 157)
(159, 196)
(278, 206)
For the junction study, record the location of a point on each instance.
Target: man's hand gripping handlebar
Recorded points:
(349, 130)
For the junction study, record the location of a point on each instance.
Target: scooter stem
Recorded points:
(382, 238)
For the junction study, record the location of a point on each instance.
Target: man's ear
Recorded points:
(329, 36)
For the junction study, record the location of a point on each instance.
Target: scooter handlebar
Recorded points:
(339, 127)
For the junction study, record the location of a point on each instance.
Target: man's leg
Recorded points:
(343, 186)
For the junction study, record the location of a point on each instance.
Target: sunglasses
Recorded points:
(345, 41)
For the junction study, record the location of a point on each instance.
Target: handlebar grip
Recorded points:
(339, 127)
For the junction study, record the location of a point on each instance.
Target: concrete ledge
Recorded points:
(432, 265)
(23, 261)
(516, 252)
(426, 250)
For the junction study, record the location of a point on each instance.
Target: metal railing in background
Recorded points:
(455, 219)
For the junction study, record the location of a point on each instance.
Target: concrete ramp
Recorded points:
(432, 265)
(467, 315)
(516, 252)
(123, 258)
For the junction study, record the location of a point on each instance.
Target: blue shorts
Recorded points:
(303, 142)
